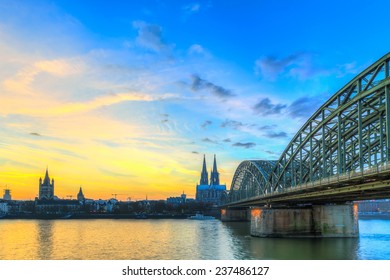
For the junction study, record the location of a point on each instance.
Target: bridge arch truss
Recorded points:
(349, 132)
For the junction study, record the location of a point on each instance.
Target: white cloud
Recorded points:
(61, 67)
(197, 49)
(192, 8)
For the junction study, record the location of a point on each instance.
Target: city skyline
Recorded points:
(128, 97)
(47, 179)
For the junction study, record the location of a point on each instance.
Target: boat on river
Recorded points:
(201, 217)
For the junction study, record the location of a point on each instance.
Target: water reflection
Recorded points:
(44, 239)
(178, 239)
(374, 239)
(247, 247)
(212, 241)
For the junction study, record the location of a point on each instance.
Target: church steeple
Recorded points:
(214, 178)
(80, 195)
(46, 189)
(46, 181)
(204, 180)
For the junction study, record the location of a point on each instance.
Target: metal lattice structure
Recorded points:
(348, 133)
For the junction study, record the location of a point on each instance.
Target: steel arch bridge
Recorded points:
(340, 154)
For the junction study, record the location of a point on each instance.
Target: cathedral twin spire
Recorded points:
(204, 177)
(214, 178)
(214, 175)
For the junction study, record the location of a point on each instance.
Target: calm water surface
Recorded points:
(177, 239)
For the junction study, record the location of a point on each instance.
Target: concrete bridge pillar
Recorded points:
(336, 220)
(315, 221)
(279, 222)
(235, 214)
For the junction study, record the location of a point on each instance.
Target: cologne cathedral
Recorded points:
(210, 191)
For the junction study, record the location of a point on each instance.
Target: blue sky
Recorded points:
(127, 96)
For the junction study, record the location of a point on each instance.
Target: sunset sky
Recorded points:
(126, 98)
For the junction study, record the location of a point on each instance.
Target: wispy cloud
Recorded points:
(54, 107)
(296, 65)
(115, 173)
(347, 68)
(21, 82)
(267, 127)
(197, 49)
(299, 65)
(192, 8)
(61, 67)
(272, 134)
(35, 134)
(271, 153)
(208, 140)
(206, 124)
(270, 67)
(265, 107)
(247, 145)
(267, 131)
(199, 84)
(150, 36)
(304, 107)
(237, 125)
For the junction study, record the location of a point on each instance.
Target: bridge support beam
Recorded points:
(315, 221)
(235, 214)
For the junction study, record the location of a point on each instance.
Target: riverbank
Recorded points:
(374, 215)
(75, 216)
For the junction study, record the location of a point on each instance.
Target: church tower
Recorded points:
(80, 196)
(46, 190)
(214, 178)
(210, 191)
(204, 180)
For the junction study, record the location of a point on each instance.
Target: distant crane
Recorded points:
(115, 194)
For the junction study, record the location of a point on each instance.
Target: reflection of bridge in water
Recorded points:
(340, 155)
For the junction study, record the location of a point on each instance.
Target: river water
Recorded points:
(178, 239)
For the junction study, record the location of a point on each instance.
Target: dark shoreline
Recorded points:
(81, 216)
(373, 216)
(92, 216)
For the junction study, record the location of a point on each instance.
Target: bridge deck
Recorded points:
(372, 183)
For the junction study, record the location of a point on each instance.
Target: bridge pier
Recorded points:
(315, 221)
(235, 214)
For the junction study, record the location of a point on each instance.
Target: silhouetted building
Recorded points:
(80, 196)
(177, 200)
(46, 190)
(374, 206)
(3, 207)
(7, 194)
(213, 192)
(60, 206)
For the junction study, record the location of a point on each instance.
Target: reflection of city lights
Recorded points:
(256, 212)
(355, 210)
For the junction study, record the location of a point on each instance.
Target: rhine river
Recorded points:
(178, 239)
